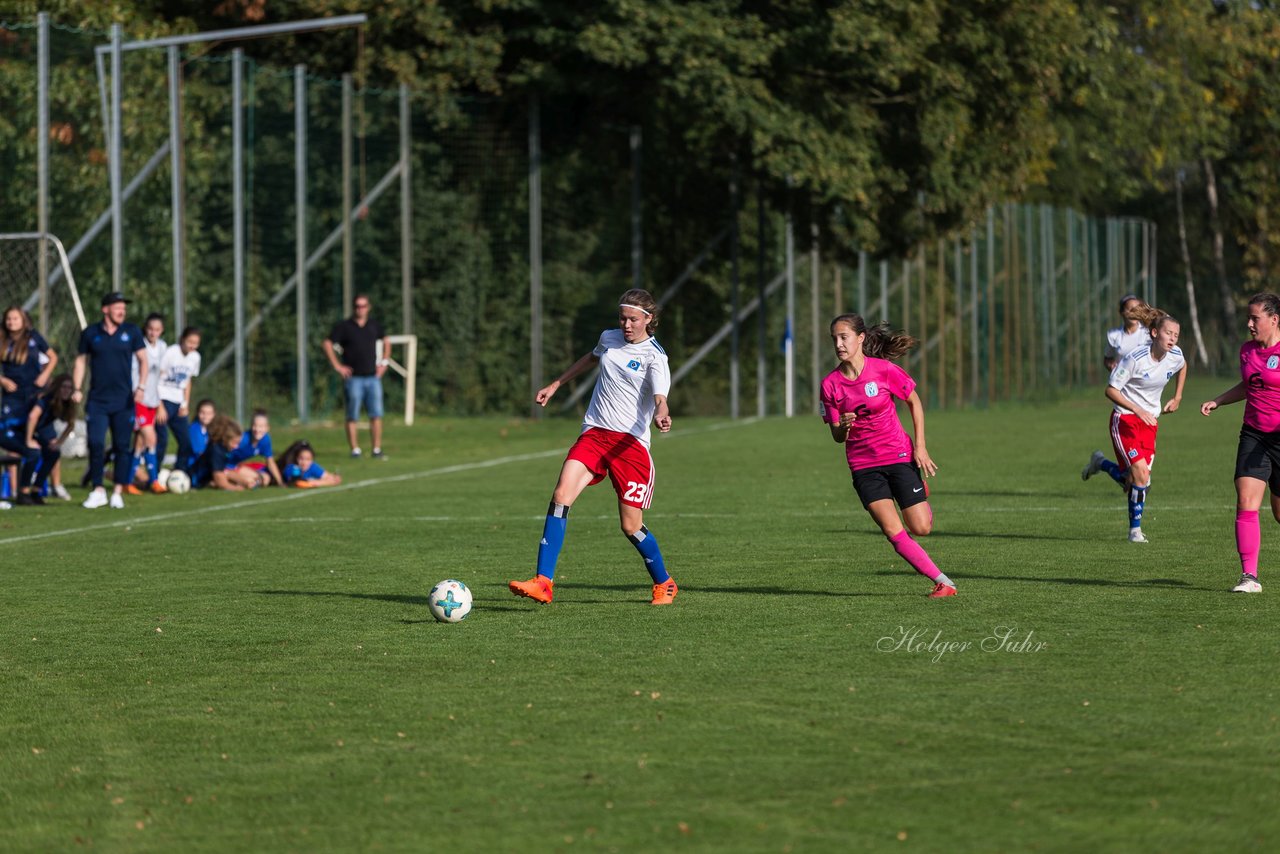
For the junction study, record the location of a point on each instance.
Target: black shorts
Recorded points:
(1258, 456)
(900, 482)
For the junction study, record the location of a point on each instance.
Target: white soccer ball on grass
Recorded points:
(450, 601)
(179, 482)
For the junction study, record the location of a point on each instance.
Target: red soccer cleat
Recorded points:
(665, 593)
(940, 590)
(538, 588)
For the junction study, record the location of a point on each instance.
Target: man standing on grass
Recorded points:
(110, 347)
(366, 352)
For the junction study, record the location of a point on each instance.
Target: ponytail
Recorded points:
(881, 341)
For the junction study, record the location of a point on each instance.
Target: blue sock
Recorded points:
(552, 539)
(152, 469)
(647, 545)
(1117, 473)
(1137, 500)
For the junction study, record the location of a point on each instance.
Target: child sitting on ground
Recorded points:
(299, 468)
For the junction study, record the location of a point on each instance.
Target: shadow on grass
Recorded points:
(939, 533)
(975, 493)
(1169, 583)
(513, 604)
(751, 590)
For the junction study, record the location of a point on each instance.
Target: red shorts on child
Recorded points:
(144, 416)
(1133, 439)
(622, 457)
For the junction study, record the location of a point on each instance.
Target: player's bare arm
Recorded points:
(1115, 396)
(1235, 394)
(77, 377)
(661, 415)
(344, 371)
(1176, 400)
(577, 368)
(141, 357)
(922, 459)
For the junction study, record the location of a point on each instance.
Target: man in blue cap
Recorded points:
(111, 347)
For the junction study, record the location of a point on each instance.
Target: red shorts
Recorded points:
(1132, 439)
(143, 416)
(621, 456)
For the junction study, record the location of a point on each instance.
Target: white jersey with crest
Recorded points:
(176, 372)
(630, 375)
(1121, 343)
(155, 352)
(1141, 378)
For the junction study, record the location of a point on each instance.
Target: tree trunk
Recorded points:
(1191, 288)
(1226, 298)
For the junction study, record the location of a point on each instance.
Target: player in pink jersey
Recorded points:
(858, 405)
(1258, 454)
(630, 392)
(1135, 388)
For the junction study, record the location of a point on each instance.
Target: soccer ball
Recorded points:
(179, 482)
(450, 601)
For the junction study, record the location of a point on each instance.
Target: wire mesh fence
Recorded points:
(1012, 309)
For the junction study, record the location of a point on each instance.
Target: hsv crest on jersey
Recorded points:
(1272, 362)
(634, 364)
(871, 389)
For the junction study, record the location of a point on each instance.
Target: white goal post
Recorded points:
(36, 275)
(408, 370)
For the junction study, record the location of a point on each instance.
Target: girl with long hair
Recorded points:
(886, 464)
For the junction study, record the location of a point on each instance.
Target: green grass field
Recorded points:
(259, 672)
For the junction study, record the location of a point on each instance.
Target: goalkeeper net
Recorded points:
(26, 260)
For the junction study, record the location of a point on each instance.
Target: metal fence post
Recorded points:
(237, 220)
(176, 193)
(348, 241)
(300, 233)
(406, 214)
(535, 251)
(113, 157)
(42, 165)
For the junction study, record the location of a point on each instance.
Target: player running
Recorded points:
(1258, 454)
(858, 405)
(1131, 334)
(1135, 387)
(148, 412)
(630, 392)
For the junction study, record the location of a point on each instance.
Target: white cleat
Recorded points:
(1248, 584)
(1136, 536)
(61, 492)
(96, 499)
(117, 501)
(1093, 466)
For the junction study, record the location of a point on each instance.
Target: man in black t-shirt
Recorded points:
(366, 352)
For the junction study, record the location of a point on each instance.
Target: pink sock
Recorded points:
(914, 554)
(1248, 540)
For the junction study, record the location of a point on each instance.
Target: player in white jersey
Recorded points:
(1135, 388)
(630, 392)
(147, 412)
(1132, 334)
(179, 366)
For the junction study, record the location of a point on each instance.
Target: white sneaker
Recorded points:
(1093, 466)
(5, 505)
(1136, 536)
(117, 501)
(96, 499)
(1248, 584)
(61, 492)
(355, 452)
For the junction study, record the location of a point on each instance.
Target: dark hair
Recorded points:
(63, 410)
(290, 455)
(1270, 302)
(208, 401)
(258, 413)
(155, 315)
(882, 342)
(643, 300)
(190, 330)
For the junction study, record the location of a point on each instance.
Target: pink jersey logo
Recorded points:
(1273, 361)
(871, 389)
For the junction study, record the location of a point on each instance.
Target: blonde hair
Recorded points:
(1149, 316)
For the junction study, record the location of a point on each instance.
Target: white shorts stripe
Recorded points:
(648, 493)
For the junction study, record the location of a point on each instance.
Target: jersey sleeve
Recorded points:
(660, 375)
(194, 364)
(1111, 349)
(315, 472)
(86, 341)
(1121, 373)
(291, 472)
(602, 346)
(899, 381)
(265, 447)
(335, 335)
(831, 400)
(41, 344)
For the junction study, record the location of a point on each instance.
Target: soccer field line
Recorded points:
(331, 490)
